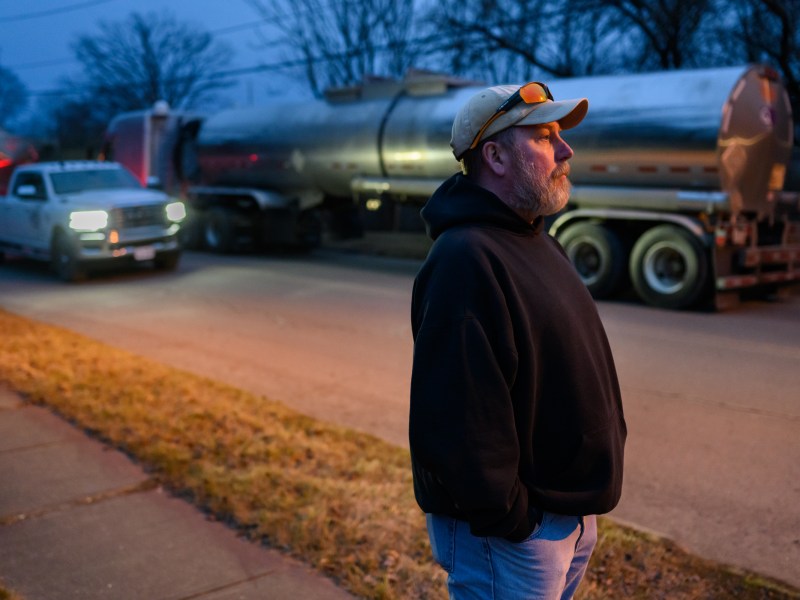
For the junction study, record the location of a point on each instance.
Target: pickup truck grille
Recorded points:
(138, 216)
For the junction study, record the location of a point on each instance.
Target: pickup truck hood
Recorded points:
(108, 199)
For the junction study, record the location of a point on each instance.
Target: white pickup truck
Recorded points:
(81, 214)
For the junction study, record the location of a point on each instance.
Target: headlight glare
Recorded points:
(88, 220)
(176, 211)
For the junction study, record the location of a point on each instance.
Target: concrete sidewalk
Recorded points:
(79, 520)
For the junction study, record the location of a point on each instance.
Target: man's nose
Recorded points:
(563, 151)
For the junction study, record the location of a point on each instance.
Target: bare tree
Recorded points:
(129, 65)
(489, 39)
(13, 96)
(769, 31)
(133, 63)
(76, 128)
(581, 39)
(340, 43)
(667, 30)
(509, 40)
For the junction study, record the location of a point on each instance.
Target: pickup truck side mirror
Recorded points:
(28, 191)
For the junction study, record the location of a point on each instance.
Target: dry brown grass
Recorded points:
(6, 594)
(340, 500)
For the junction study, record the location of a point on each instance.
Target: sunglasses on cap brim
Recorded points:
(534, 92)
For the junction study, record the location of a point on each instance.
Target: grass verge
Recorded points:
(340, 500)
(6, 594)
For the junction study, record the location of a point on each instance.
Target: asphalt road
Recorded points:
(712, 401)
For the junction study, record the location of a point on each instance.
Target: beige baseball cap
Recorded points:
(482, 106)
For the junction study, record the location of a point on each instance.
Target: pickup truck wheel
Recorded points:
(219, 232)
(668, 267)
(168, 261)
(598, 256)
(65, 261)
(192, 232)
(309, 230)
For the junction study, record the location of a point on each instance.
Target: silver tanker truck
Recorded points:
(678, 176)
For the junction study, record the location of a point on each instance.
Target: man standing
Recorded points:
(516, 423)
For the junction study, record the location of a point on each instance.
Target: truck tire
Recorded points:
(668, 267)
(192, 233)
(168, 261)
(219, 231)
(598, 256)
(309, 231)
(64, 259)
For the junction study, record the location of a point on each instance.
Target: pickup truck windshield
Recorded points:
(70, 182)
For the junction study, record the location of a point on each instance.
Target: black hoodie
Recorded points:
(515, 404)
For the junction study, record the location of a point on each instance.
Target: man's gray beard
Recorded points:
(536, 193)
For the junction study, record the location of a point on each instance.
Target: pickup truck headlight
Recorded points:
(176, 211)
(88, 220)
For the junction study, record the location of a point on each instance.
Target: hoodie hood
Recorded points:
(459, 201)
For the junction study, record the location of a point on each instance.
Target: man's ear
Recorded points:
(495, 157)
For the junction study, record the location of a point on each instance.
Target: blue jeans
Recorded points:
(548, 565)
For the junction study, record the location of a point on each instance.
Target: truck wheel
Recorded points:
(598, 256)
(309, 230)
(668, 267)
(192, 233)
(219, 232)
(168, 261)
(64, 260)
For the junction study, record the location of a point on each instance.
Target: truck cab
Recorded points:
(81, 214)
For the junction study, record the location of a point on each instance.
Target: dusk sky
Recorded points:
(37, 35)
